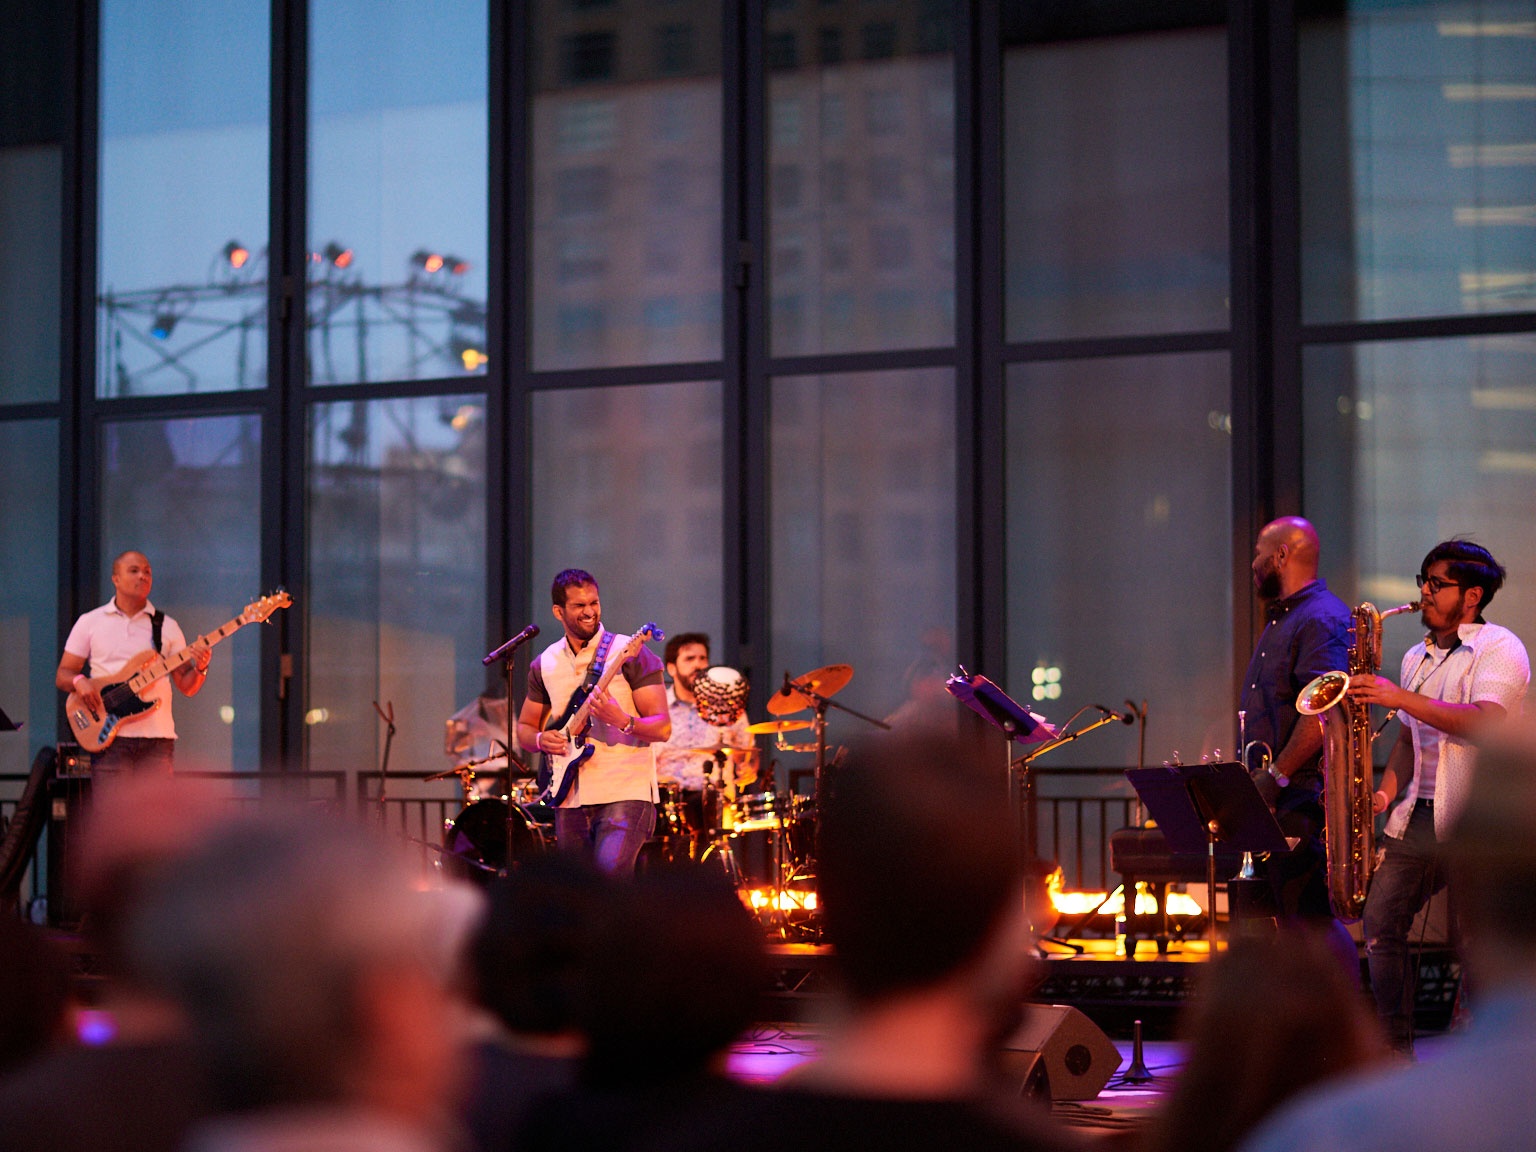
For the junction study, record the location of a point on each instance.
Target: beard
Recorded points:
(1268, 585)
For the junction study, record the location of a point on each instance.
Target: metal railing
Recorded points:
(1076, 810)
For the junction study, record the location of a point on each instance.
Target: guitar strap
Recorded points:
(599, 658)
(155, 623)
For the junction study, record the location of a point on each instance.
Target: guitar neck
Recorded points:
(603, 681)
(165, 665)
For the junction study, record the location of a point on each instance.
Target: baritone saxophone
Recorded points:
(1349, 824)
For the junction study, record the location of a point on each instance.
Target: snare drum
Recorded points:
(476, 839)
(759, 810)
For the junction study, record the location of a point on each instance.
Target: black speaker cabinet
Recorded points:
(67, 800)
(1060, 1053)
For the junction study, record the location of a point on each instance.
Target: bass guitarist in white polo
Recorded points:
(600, 775)
(106, 639)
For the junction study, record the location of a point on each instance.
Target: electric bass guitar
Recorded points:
(558, 771)
(120, 693)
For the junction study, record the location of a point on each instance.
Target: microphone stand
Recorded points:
(508, 654)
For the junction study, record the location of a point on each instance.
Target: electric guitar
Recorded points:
(558, 771)
(120, 699)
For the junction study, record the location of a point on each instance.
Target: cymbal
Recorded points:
(730, 753)
(826, 681)
(772, 727)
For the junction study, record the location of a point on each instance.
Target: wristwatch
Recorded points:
(630, 727)
(1280, 778)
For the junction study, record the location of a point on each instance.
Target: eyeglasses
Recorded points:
(1435, 584)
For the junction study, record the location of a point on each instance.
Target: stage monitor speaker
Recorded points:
(1060, 1053)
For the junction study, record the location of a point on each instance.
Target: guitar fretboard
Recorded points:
(163, 665)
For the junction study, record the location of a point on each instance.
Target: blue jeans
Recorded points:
(1410, 873)
(612, 834)
(135, 754)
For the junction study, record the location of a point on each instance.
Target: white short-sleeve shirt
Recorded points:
(106, 638)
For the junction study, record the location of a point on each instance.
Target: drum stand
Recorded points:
(784, 873)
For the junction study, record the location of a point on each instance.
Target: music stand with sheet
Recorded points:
(1198, 806)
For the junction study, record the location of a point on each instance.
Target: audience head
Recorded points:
(673, 971)
(525, 955)
(34, 993)
(1492, 853)
(917, 872)
(1271, 1017)
(310, 970)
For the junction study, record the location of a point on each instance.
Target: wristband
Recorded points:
(1282, 780)
(79, 676)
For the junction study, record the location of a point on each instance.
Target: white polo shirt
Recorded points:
(106, 638)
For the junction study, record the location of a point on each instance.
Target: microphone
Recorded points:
(1123, 717)
(511, 645)
(785, 691)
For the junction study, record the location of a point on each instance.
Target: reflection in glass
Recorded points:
(187, 494)
(1119, 549)
(625, 186)
(627, 484)
(1408, 443)
(29, 570)
(861, 178)
(396, 596)
(1418, 159)
(1116, 185)
(397, 204)
(183, 196)
(30, 259)
(862, 524)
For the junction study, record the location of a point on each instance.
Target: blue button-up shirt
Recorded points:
(1307, 634)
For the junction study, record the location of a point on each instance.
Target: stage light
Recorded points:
(457, 265)
(236, 254)
(338, 256)
(164, 325)
(473, 358)
(427, 261)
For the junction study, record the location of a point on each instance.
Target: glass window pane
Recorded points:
(1119, 550)
(29, 583)
(861, 177)
(183, 196)
(625, 185)
(862, 520)
(1409, 443)
(187, 494)
(1418, 175)
(1115, 153)
(396, 595)
(627, 484)
(30, 260)
(397, 198)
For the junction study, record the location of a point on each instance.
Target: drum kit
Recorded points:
(763, 839)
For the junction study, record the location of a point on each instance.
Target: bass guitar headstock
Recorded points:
(258, 610)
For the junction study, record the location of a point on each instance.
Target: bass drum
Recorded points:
(476, 839)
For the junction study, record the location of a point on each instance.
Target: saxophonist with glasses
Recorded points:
(1465, 675)
(1306, 633)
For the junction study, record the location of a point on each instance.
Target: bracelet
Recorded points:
(630, 727)
(1283, 781)
(79, 676)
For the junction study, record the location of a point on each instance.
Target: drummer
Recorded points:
(685, 759)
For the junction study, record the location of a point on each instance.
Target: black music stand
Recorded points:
(1198, 806)
(1016, 723)
(7, 724)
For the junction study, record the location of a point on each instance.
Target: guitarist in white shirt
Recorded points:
(610, 809)
(106, 639)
